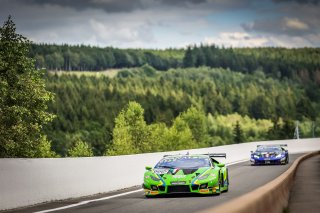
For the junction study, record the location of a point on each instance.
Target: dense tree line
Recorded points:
(86, 106)
(66, 57)
(302, 64)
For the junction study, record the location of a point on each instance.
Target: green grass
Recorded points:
(109, 73)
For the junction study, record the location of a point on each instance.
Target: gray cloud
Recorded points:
(106, 5)
(314, 2)
(163, 23)
(285, 26)
(114, 6)
(295, 19)
(207, 4)
(182, 2)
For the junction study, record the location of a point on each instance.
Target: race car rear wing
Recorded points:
(283, 146)
(211, 155)
(271, 145)
(217, 155)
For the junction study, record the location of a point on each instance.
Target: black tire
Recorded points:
(222, 180)
(219, 184)
(227, 182)
(219, 189)
(287, 160)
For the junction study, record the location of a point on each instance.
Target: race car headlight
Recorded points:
(279, 156)
(154, 178)
(203, 177)
(255, 156)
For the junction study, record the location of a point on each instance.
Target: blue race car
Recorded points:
(270, 154)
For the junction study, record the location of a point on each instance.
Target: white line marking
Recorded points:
(89, 201)
(112, 196)
(236, 162)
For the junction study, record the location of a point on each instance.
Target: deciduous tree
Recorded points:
(23, 97)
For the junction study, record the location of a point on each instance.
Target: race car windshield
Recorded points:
(184, 162)
(269, 149)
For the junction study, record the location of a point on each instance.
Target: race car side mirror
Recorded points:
(251, 152)
(148, 168)
(221, 165)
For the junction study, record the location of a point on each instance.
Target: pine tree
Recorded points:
(189, 60)
(238, 133)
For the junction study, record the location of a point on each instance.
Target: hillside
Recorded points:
(86, 106)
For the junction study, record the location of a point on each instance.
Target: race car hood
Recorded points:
(185, 174)
(266, 153)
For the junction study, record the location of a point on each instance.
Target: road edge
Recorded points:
(272, 197)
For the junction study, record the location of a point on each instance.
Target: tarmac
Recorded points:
(305, 193)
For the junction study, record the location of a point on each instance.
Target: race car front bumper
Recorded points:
(267, 161)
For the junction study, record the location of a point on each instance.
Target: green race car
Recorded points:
(201, 174)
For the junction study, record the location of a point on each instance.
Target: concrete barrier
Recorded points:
(25, 182)
(273, 197)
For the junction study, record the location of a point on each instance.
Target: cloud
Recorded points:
(165, 23)
(295, 21)
(285, 26)
(121, 33)
(314, 2)
(237, 39)
(294, 24)
(217, 5)
(114, 6)
(242, 39)
(183, 2)
(106, 5)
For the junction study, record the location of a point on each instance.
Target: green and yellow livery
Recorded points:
(201, 174)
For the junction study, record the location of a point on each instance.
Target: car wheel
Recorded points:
(227, 182)
(220, 183)
(222, 180)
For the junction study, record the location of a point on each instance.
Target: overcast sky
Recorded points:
(167, 23)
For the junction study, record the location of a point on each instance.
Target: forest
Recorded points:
(155, 100)
(88, 109)
(173, 99)
(300, 64)
(65, 57)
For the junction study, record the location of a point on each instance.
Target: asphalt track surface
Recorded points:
(243, 179)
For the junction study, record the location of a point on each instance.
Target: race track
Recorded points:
(243, 178)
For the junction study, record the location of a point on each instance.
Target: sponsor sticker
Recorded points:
(161, 171)
(178, 176)
(178, 183)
